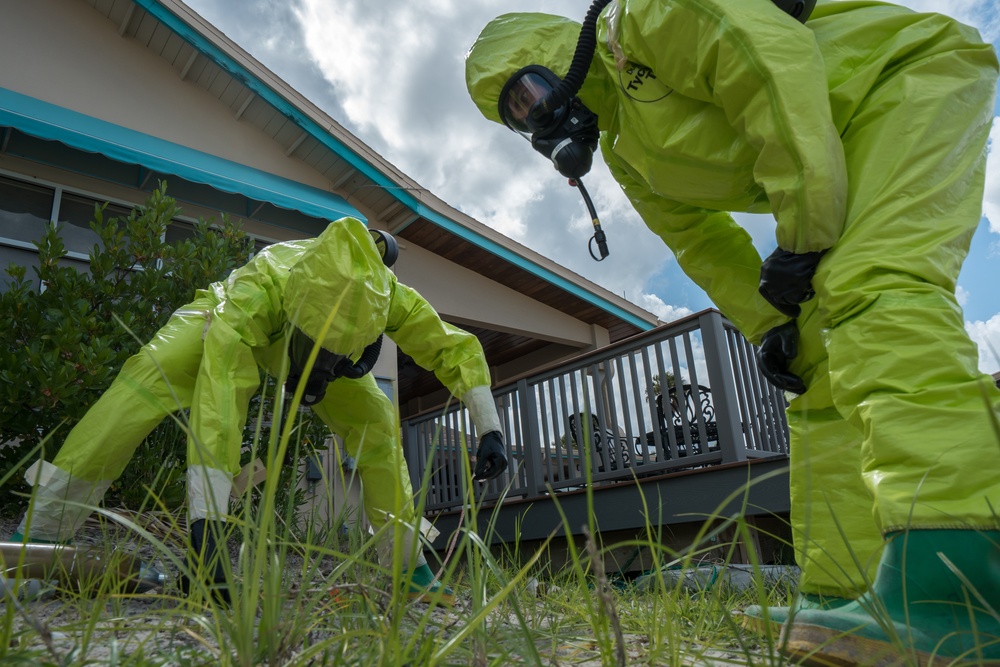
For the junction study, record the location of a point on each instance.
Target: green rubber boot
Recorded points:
(919, 607)
(755, 620)
(422, 586)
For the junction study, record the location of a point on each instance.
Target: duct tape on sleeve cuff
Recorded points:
(483, 409)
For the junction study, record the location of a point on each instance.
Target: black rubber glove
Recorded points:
(205, 560)
(491, 459)
(786, 279)
(777, 348)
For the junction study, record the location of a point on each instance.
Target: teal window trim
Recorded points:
(48, 121)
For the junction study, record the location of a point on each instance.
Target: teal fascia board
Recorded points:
(323, 136)
(48, 121)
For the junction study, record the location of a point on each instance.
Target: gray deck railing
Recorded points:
(687, 394)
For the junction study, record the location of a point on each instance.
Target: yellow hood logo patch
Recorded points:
(640, 84)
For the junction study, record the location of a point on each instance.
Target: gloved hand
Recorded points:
(786, 279)
(778, 347)
(205, 560)
(491, 458)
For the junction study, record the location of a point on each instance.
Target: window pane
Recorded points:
(25, 208)
(75, 216)
(27, 258)
(179, 231)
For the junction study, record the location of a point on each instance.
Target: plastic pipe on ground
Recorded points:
(80, 567)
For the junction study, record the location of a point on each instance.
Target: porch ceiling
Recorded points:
(500, 348)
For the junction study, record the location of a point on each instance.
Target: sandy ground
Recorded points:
(97, 629)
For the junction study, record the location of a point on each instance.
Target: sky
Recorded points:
(392, 73)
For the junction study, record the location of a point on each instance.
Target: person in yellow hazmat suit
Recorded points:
(336, 291)
(861, 126)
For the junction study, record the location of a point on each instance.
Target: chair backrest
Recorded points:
(597, 438)
(696, 400)
(595, 429)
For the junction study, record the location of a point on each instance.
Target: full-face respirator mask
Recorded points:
(567, 134)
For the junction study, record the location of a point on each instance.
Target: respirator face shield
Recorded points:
(567, 135)
(521, 93)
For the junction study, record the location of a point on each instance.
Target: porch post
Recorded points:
(533, 445)
(723, 383)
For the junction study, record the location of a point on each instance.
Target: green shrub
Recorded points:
(60, 347)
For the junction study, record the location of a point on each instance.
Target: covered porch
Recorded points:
(661, 431)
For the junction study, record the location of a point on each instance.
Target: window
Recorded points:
(75, 215)
(25, 209)
(179, 230)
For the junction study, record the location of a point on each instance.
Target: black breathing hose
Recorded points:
(580, 65)
(365, 363)
(598, 237)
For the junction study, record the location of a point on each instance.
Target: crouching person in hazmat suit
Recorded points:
(863, 131)
(334, 290)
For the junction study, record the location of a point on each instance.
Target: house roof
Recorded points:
(201, 54)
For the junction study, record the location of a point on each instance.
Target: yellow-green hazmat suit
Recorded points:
(863, 132)
(334, 288)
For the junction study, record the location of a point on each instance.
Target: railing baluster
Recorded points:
(532, 457)
(675, 444)
(748, 406)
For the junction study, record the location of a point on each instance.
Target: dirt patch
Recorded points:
(60, 621)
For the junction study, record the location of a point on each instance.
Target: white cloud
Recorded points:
(991, 197)
(662, 310)
(981, 14)
(987, 336)
(962, 295)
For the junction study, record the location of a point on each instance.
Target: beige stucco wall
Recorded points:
(463, 296)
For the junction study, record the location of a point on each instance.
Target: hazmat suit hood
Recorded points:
(512, 41)
(339, 292)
